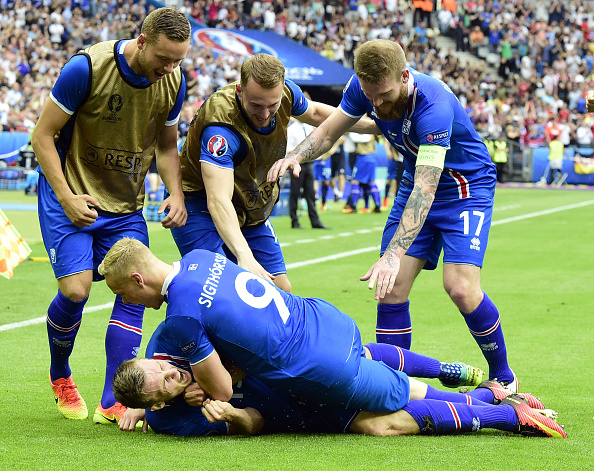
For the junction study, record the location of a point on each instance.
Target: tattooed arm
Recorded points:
(385, 270)
(314, 145)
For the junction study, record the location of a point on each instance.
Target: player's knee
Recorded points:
(380, 425)
(466, 296)
(369, 428)
(76, 287)
(459, 291)
(76, 293)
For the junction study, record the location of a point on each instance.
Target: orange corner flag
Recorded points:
(13, 249)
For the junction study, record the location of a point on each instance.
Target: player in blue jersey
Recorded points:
(251, 402)
(113, 107)
(302, 347)
(234, 138)
(445, 201)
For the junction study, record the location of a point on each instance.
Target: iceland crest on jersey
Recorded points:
(217, 145)
(406, 126)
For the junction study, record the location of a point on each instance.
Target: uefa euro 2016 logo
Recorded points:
(115, 103)
(228, 42)
(217, 146)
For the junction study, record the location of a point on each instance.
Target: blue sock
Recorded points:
(485, 326)
(324, 192)
(482, 394)
(122, 342)
(63, 320)
(442, 418)
(433, 393)
(355, 192)
(373, 189)
(393, 324)
(411, 363)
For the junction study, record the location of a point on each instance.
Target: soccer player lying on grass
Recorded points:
(164, 386)
(303, 347)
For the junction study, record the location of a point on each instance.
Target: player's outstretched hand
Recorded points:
(218, 411)
(383, 274)
(194, 395)
(177, 211)
(279, 168)
(250, 264)
(80, 209)
(130, 418)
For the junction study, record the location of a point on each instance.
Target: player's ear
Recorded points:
(157, 406)
(405, 75)
(141, 41)
(137, 279)
(238, 89)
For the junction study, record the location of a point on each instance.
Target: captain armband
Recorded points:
(433, 156)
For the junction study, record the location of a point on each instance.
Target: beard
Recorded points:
(393, 110)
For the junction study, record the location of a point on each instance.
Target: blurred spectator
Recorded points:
(476, 39)
(584, 134)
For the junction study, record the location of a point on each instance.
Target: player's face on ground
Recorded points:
(260, 104)
(161, 57)
(163, 381)
(389, 98)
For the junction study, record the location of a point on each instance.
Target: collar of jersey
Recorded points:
(129, 74)
(169, 278)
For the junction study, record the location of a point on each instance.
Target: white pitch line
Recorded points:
(305, 241)
(332, 257)
(40, 320)
(542, 213)
(337, 256)
(506, 208)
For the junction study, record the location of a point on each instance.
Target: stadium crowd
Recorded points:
(545, 52)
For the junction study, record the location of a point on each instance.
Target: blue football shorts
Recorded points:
(200, 232)
(391, 169)
(322, 170)
(72, 249)
(364, 169)
(369, 385)
(459, 227)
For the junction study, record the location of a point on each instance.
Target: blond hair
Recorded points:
(128, 385)
(168, 21)
(264, 69)
(124, 256)
(378, 60)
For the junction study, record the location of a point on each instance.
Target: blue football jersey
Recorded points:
(282, 414)
(271, 335)
(434, 116)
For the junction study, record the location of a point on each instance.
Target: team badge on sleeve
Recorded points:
(217, 145)
(441, 135)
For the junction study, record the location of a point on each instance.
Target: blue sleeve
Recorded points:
(219, 146)
(434, 125)
(72, 87)
(173, 116)
(183, 420)
(354, 103)
(300, 103)
(188, 334)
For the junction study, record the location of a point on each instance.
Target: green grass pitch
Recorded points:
(539, 271)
